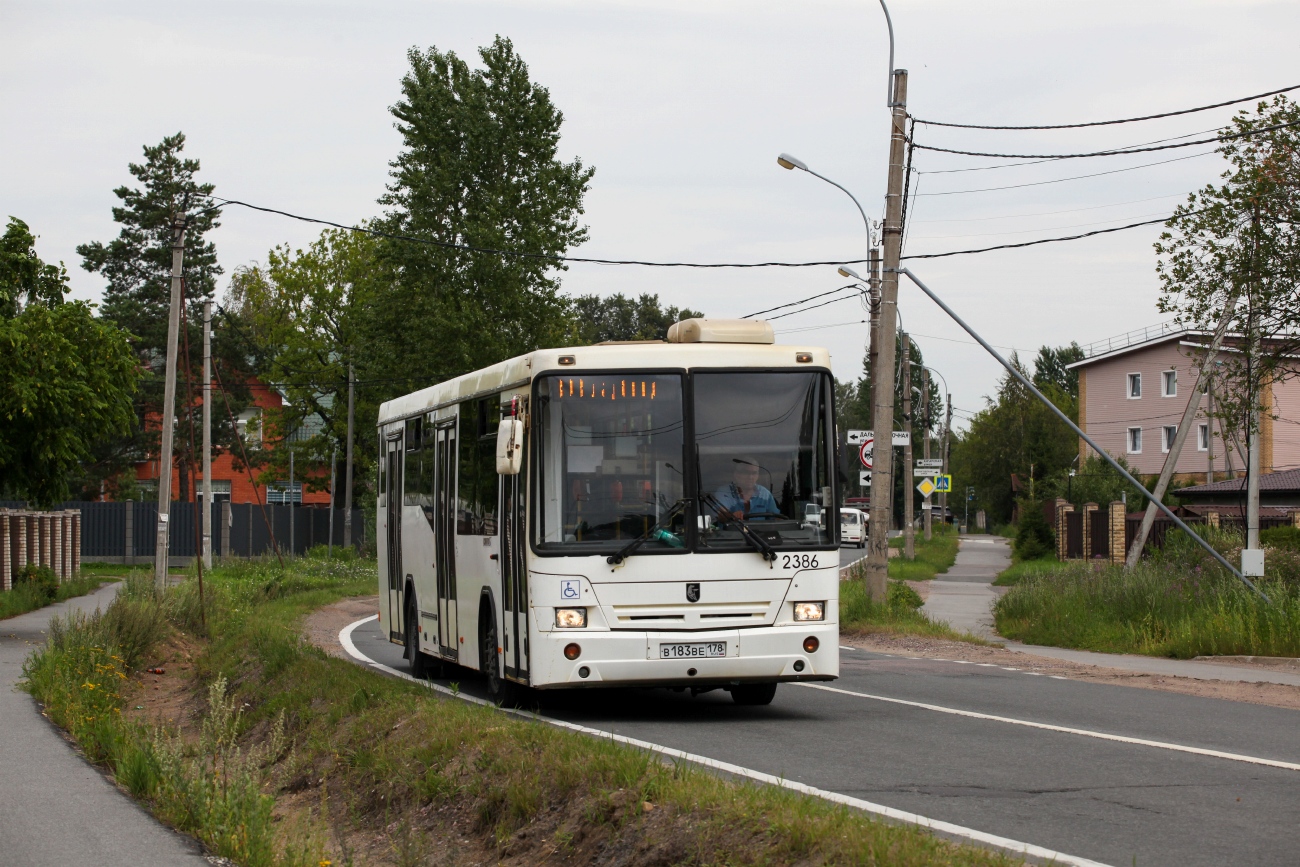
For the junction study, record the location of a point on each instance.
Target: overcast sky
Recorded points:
(682, 108)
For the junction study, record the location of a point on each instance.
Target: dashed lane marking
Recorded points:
(945, 828)
(1087, 733)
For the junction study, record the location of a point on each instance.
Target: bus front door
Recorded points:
(514, 578)
(444, 536)
(396, 587)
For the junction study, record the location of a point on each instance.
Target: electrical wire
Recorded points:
(1036, 243)
(1053, 213)
(1114, 152)
(795, 303)
(1028, 231)
(1072, 177)
(1111, 122)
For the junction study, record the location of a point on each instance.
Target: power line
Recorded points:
(1026, 231)
(795, 303)
(1112, 122)
(1039, 162)
(1111, 153)
(1071, 178)
(1035, 243)
(1053, 213)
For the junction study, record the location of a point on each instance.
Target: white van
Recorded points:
(853, 527)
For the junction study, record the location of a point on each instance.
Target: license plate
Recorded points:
(698, 650)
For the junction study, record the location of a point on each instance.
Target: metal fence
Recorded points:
(127, 532)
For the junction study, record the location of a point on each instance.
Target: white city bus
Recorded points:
(627, 514)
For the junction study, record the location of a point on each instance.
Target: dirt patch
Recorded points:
(1272, 694)
(323, 625)
(167, 698)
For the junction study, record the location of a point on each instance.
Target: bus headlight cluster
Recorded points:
(570, 618)
(805, 611)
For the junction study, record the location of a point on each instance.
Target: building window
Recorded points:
(1203, 438)
(220, 490)
(1134, 385)
(282, 493)
(1135, 440)
(1169, 379)
(1171, 432)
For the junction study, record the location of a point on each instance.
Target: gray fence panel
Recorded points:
(144, 530)
(103, 528)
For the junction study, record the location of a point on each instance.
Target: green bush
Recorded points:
(39, 580)
(903, 598)
(1034, 536)
(1281, 537)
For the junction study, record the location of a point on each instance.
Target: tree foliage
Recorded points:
(478, 168)
(66, 378)
(24, 278)
(618, 317)
(137, 265)
(1015, 434)
(1241, 238)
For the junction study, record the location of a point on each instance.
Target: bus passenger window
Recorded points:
(476, 496)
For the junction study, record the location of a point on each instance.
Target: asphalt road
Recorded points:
(1073, 792)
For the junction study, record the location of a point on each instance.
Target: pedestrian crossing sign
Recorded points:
(943, 484)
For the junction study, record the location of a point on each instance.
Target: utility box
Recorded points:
(1252, 562)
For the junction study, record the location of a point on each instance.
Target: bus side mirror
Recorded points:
(510, 446)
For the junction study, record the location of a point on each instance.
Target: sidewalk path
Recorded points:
(55, 808)
(963, 597)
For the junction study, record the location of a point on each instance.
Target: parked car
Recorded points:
(853, 527)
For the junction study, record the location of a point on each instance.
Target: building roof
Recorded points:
(1287, 481)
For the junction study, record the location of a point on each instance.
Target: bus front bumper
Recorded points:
(628, 658)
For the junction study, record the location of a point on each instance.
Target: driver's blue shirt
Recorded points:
(761, 503)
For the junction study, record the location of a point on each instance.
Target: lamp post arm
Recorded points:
(889, 79)
(865, 221)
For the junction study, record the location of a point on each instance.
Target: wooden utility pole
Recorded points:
(169, 409)
(947, 426)
(909, 480)
(347, 474)
(925, 410)
(882, 375)
(207, 434)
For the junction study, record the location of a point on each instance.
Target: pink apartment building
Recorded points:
(1132, 394)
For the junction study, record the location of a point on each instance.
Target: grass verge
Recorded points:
(35, 588)
(932, 557)
(899, 615)
(1180, 604)
(300, 758)
(1019, 570)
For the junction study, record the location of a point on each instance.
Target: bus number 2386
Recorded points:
(798, 561)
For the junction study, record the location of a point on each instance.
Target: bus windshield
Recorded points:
(762, 457)
(611, 457)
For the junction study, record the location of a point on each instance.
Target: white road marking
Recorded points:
(1123, 739)
(1005, 843)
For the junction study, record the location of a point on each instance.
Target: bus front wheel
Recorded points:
(753, 693)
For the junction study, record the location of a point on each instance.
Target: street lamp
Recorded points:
(788, 162)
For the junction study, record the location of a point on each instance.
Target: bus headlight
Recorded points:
(570, 618)
(804, 611)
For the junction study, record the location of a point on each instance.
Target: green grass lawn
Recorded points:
(28, 596)
(932, 557)
(1180, 604)
(1021, 569)
(287, 724)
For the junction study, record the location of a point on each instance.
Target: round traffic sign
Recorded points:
(864, 452)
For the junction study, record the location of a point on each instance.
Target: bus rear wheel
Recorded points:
(753, 693)
(423, 666)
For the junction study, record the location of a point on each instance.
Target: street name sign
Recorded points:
(900, 438)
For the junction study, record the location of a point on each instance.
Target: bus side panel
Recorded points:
(476, 569)
(417, 561)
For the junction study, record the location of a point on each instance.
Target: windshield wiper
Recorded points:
(747, 532)
(630, 548)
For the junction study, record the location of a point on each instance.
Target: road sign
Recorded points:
(943, 484)
(926, 471)
(936, 463)
(926, 487)
(900, 438)
(864, 452)
(864, 478)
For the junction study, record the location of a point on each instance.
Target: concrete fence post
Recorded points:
(1295, 518)
(6, 553)
(1118, 533)
(1089, 515)
(33, 539)
(56, 544)
(227, 521)
(43, 540)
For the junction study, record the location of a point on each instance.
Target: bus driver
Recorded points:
(744, 497)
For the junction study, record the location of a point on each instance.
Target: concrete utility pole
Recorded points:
(293, 518)
(1209, 430)
(1184, 428)
(882, 384)
(169, 408)
(347, 474)
(947, 426)
(909, 501)
(207, 434)
(925, 408)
